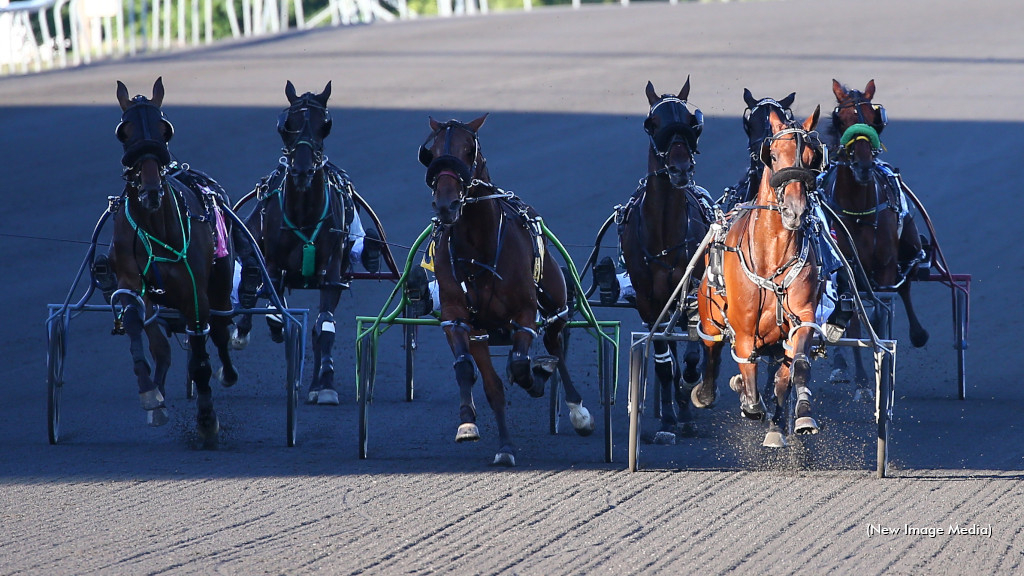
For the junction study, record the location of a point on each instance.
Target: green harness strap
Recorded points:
(308, 246)
(178, 255)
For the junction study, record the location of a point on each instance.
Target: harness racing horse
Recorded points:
(762, 283)
(170, 248)
(757, 127)
(495, 276)
(662, 225)
(867, 196)
(302, 223)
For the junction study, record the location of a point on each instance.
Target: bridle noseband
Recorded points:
(806, 175)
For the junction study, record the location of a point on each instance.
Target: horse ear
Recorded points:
(323, 96)
(652, 95)
(749, 99)
(289, 91)
(869, 90)
(158, 92)
(434, 124)
(812, 120)
(476, 124)
(122, 96)
(787, 102)
(685, 92)
(838, 90)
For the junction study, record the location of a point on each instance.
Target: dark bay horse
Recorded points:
(495, 277)
(763, 284)
(302, 223)
(170, 248)
(757, 127)
(867, 195)
(662, 225)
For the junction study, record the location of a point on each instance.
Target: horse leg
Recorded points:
(222, 276)
(465, 377)
(666, 372)
(745, 383)
(864, 390)
(200, 371)
(494, 390)
(239, 331)
(321, 390)
(692, 360)
(800, 369)
(777, 392)
(519, 365)
(160, 351)
(582, 422)
(275, 322)
(704, 393)
(918, 335)
(150, 396)
(911, 251)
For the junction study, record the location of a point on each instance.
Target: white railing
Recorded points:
(38, 35)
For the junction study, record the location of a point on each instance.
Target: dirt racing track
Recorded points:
(564, 90)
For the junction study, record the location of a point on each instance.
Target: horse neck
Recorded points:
(305, 207)
(165, 223)
(853, 196)
(476, 231)
(769, 243)
(665, 211)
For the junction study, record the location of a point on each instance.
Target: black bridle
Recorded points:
(304, 134)
(754, 144)
(799, 172)
(447, 161)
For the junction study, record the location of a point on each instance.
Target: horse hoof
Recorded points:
(504, 459)
(157, 416)
(919, 339)
(691, 375)
(208, 426)
(327, 397)
(702, 400)
(806, 425)
(736, 383)
(753, 411)
(582, 422)
(468, 432)
(151, 399)
(664, 438)
(238, 342)
(774, 439)
(226, 382)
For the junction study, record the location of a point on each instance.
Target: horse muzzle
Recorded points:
(150, 197)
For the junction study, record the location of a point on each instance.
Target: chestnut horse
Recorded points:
(867, 196)
(757, 127)
(302, 221)
(763, 282)
(662, 225)
(495, 276)
(170, 248)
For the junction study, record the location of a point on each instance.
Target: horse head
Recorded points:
(858, 123)
(674, 132)
(144, 133)
(794, 156)
(756, 122)
(454, 162)
(303, 125)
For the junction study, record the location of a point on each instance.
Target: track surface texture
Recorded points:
(565, 93)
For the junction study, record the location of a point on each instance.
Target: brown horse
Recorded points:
(170, 248)
(757, 127)
(495, 277)
(867, 196)
(763, 284)
(303, 223)
(662, 225)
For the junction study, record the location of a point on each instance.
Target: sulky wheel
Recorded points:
(56, 350)
(637, 374)
(293, 362)
(367, 371)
